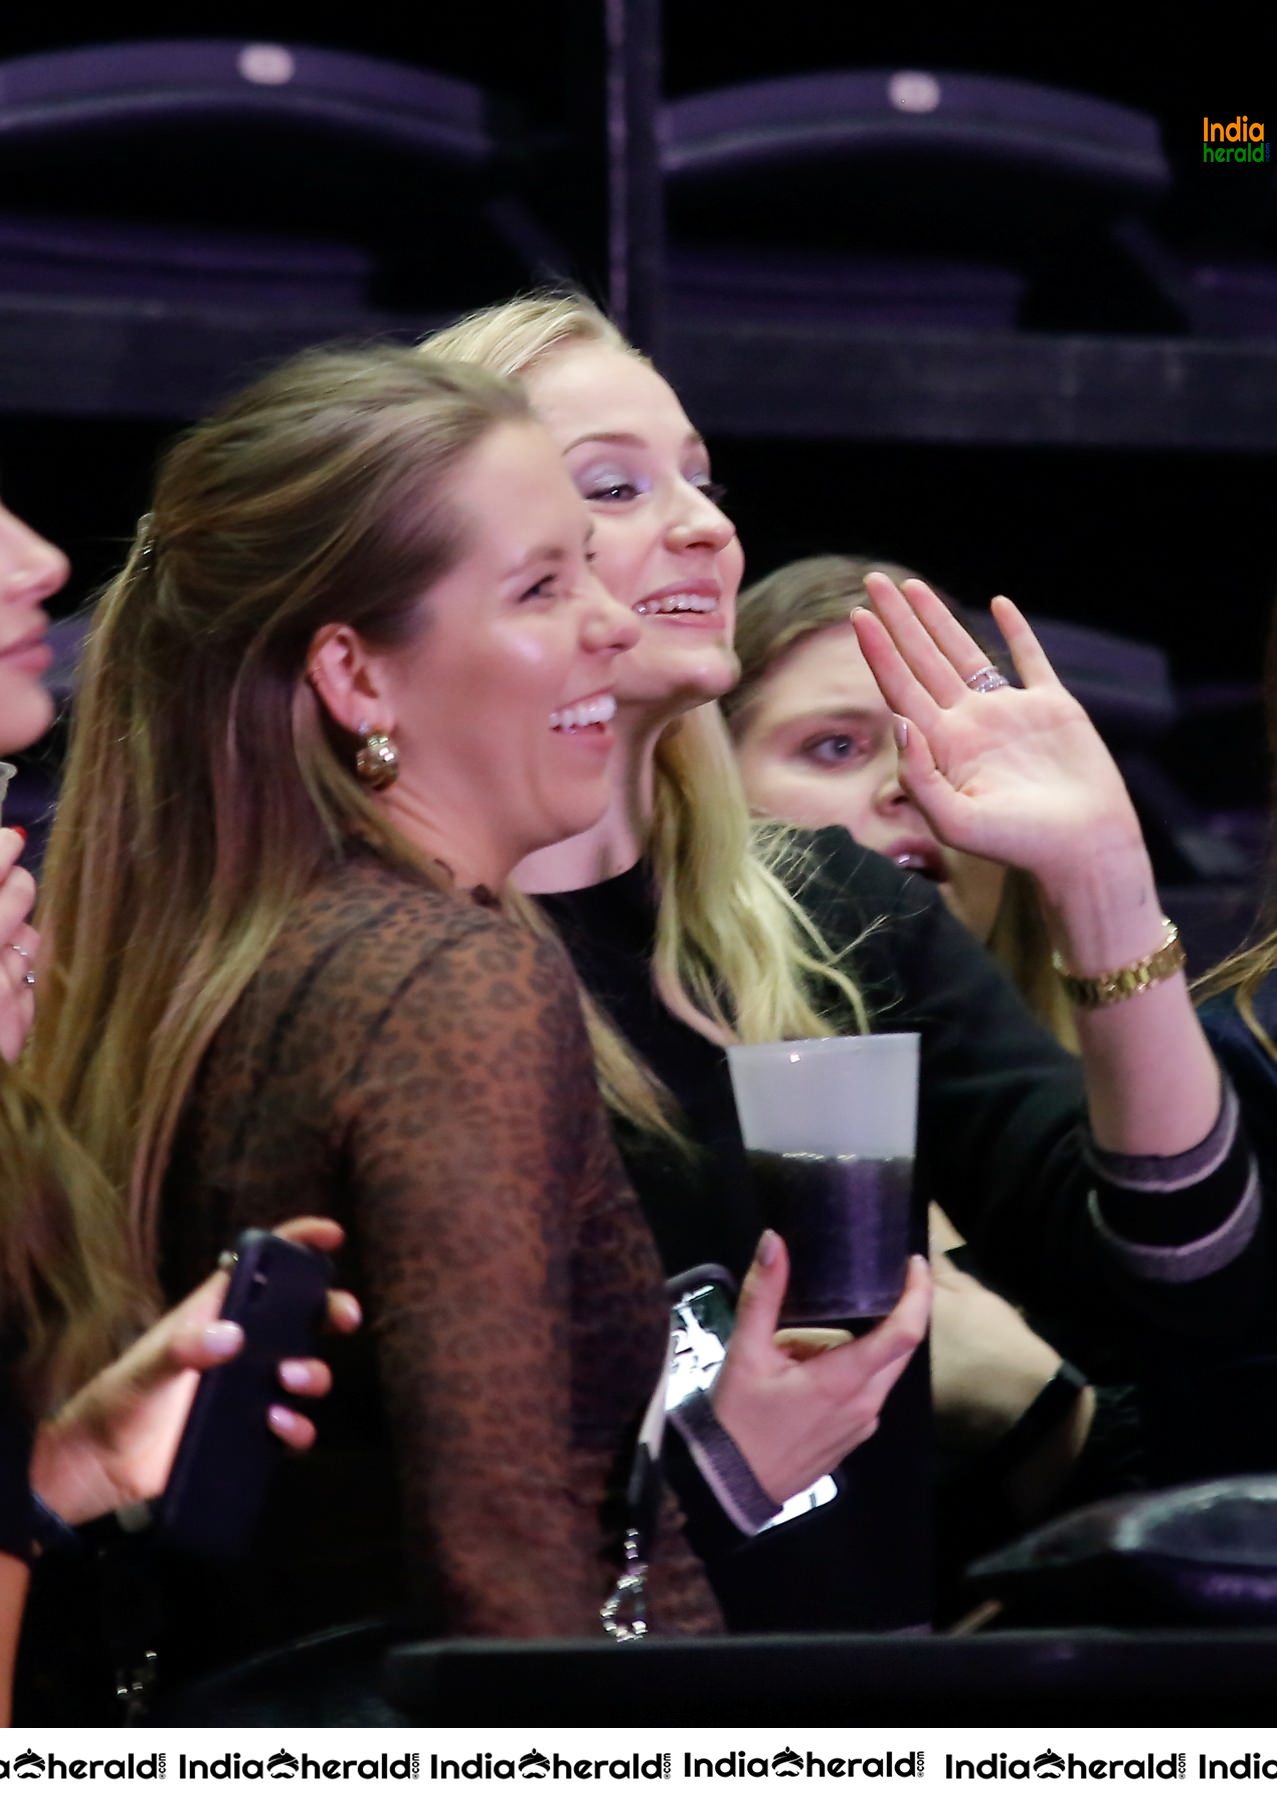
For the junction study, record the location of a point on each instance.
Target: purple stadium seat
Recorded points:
(257, 172)
(906, 196)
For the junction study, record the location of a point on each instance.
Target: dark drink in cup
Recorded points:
(829, 1125)
(846, 1221)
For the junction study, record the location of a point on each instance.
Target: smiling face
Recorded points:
(500, 705)
(663, 546)
(815, 747)
(30, 571)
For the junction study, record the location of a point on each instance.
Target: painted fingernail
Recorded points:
(900, 731)
(223, 1336)
(768, 1245)
(282, 1418)
(295, 1376)
(348, 1307)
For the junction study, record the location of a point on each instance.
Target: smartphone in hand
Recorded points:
(228, 1453)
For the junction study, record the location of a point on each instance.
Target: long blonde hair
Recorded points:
(812, 595)
(206, 786)
(735, 952)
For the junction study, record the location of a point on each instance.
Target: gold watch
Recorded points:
(1091, 991)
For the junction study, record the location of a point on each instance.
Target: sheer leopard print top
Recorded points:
(415, 1065)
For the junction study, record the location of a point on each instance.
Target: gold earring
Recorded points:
(376, 760)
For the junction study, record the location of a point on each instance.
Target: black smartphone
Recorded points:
(703, 1305)
(228, 1453)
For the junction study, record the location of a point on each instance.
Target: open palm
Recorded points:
(1019, 775)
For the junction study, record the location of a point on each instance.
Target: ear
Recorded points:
(349, 679)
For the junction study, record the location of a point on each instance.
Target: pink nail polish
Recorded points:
(281, 1418)
(900, 731)
(295, 1376)
(223, 1336)
(768, 1245)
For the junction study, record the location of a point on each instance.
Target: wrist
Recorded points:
(1104, 912)
(1043, 1469)
(1110, 988)
(49, 1530)
(1010, 1399)
(723, 1464)
(738, 1427)
(66, 1473)
(1035, 1455)
(974, 1415)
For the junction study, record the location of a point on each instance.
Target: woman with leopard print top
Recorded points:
(355, 668)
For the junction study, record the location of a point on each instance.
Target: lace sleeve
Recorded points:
(471, 1132)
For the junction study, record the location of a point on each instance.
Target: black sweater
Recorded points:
(1002, 1146)
(1002, 1141)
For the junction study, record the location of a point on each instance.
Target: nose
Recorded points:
(697, 521)
(607, 627)
(30, 568)
(888, 793)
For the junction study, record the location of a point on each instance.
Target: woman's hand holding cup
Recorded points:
(797, 1403)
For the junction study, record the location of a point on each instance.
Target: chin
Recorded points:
(679, 685)
(26, 719)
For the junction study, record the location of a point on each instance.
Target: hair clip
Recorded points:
(146, 536)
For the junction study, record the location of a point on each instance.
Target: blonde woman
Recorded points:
(684, 924)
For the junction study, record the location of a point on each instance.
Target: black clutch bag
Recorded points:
(1204, 1554)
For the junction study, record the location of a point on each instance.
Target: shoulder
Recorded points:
(371, 928)
(372, 953)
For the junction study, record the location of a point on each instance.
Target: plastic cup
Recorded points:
(830, 1127)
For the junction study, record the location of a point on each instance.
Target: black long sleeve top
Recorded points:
(1002, 1139)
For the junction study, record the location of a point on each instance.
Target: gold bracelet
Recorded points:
(1090, 991)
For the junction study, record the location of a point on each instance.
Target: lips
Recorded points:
(34, 654)
(33, 646)
(918, 856)
(684, 599)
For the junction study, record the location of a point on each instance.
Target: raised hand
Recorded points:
(1019, 775)
(797, 1403)
(114, 1441)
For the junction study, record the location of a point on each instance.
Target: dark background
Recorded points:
(1177, 547)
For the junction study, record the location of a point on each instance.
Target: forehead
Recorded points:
(514, 486)
(593, 388)
(825, 672)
